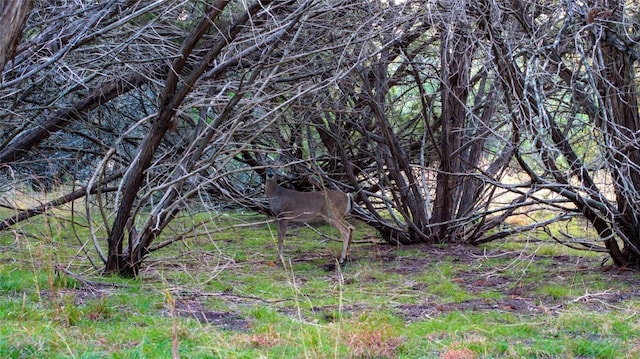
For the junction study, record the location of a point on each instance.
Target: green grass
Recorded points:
(219, 295)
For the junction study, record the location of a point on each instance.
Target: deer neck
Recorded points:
(271, 188)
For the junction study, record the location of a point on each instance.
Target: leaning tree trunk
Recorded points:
(409, 202)
(127, 261)
(117, 260)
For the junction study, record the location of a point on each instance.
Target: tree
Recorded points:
(443, 120)
(126, 148)
(619, 122)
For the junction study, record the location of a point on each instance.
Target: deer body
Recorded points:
(289, 205)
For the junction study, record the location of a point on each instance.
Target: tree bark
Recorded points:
(622, 124)
(13, 16)
(455, 57)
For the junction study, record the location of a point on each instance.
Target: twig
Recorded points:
(589, 296)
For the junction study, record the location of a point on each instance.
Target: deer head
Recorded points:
(328, 205)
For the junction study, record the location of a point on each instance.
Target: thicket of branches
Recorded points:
(444, 119)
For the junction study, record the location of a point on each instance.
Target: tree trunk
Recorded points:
(170, 100)
(13, 16)
(176, 90)
(455, 56)
(621, 123)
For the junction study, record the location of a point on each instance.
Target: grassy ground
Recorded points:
(219, 295)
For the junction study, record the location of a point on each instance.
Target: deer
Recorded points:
(294, 206)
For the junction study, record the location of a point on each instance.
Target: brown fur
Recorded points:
(289, 205)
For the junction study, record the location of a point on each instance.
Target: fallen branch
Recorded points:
(86, 283)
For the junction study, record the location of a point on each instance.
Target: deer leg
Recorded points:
(282, 231)
(344, 227)
(346, 230)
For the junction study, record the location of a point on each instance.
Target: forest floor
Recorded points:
(222, 295)
(562, 283)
